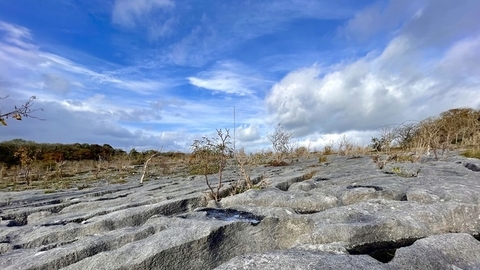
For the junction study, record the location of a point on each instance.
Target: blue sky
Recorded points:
(156, 74)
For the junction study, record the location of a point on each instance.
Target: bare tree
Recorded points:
(209, 155)
(429, 133)
(19, 112)
(405, 134)
(281, 142)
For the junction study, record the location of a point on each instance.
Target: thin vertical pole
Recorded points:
(234, 129)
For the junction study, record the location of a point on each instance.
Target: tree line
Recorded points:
(12, 151)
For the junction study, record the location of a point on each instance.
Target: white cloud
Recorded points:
(426, 22)
(144, 14)
(143, 86)
(230, 78)
(391, 14)
(248, 133)
(372, 92)
(17, 35)
(80, 103)
(222, 27)
(220, 81)
(55, 82)
(461, 62)
(416, 75)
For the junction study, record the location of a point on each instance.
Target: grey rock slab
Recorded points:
(311, 216)
(301, 202)
(389, 221)
(295, 259)
(448, 251)
(184, 244)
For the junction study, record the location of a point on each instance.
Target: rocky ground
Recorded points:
(345, 213)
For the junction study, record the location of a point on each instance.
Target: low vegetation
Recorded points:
(28, 165)
(472, 153)
(209, 155)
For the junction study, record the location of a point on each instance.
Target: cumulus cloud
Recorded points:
(248, 133)
(405, 81)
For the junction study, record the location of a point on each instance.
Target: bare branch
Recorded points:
(18, 113)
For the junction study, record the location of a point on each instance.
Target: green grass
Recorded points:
(472, 153)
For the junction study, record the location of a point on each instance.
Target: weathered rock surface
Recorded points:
(343, 214)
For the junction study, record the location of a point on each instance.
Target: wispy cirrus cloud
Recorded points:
(221, 28)
(151, 15)
(16, 35)
(89, 103)
(231, 78)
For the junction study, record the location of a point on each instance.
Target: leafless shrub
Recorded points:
(328, 149)
(280, 140)
(322, 159)
(428, 135)
(60, 164)
(379, 161)
(345, 146)
(245, 164)
(302, 152)
(211, 153)
(405, 134)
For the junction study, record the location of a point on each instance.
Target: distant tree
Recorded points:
(210, 155)
(405, 134)
(27, 157)
(280, 140)
(133, 153)
(19, 112)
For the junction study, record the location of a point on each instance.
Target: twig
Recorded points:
(145, 166)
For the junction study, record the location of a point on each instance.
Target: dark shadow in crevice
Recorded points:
(231, 215)
(382, 251)
(377, 188)
(63, 222)
(306, 212)
(157, 188)
(476, 236)
(112, 198)
(472, 167)
(55, 245)
(319, 179)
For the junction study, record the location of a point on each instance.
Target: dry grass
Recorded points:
(322, 159)
(85, 173)
(472, 153)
